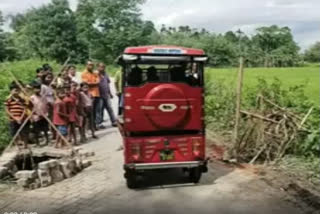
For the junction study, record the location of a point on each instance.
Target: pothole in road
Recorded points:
(42, 167)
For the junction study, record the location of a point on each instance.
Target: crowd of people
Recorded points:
(63, 107)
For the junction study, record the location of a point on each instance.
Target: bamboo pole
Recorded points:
(25, 122)
(62, 68)
(259, 117)
(19, 130)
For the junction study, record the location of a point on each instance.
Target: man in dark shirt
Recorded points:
(105, 94)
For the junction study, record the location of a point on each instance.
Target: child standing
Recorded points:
(16, 109)
(60, 117)
(86, 102)
(40, 105)
(48, 94)
(70, 101)
(75, 91)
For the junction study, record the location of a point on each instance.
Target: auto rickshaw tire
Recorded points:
(131, 179)
(195, 174)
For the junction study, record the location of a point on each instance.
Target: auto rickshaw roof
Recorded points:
(165, 50)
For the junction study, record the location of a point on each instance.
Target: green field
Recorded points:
(290, 77)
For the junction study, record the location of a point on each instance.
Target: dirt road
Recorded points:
(101, 189)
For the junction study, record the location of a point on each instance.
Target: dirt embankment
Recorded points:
(300, 191)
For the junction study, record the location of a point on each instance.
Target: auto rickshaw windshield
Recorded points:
(190, 73)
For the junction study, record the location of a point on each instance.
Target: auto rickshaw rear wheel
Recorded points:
(195, 174)
(131, 178)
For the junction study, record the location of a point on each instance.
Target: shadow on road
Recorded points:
(101, 134)
(173, 178)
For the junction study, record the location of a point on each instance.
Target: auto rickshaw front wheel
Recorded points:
(195, 174)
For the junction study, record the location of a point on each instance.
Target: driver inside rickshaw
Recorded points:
(178, 73)
(152, 74)
(135, 76)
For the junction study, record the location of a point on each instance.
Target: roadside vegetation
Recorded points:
(295, 89)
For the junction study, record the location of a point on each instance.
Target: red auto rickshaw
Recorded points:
(163, 110)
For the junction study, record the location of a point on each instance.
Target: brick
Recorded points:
(56, 174)
(79, 164)
(53, 163)
(3, 171)
(31, 174)
(33, 186)
(37, 183)
(45, 183)
(45, 165)
(73, 166)
(38, 153)
(23, 182)
(44, 177)
(86, 163)
(43, 173)
(58, 153)
(65, 169)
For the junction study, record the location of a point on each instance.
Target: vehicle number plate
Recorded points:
(166, 155)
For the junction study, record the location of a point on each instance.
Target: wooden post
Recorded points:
(238, 108)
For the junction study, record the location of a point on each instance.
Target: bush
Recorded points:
(219, 105)
(220, 109)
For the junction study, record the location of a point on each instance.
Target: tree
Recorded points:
(120, 25)
(313, 53)
(87, 33)
(275, 42)
(231, 36)
(106, 27)
(221, 51)
(48, 32)
(2, 40)
(102, 29)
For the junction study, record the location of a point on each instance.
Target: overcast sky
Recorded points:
(302, 16)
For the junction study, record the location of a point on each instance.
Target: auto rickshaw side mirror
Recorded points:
(204, 59)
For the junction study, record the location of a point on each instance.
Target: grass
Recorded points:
(308, 76)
